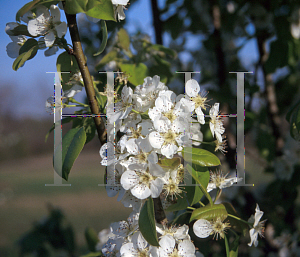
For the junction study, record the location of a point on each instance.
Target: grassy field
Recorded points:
(24, 198)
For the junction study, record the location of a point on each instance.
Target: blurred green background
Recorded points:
(214, 37)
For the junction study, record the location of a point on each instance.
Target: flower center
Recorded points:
(142, 157)
(169, 137)
(219, 228)
(146, 178)
(200, 101)
(170, 115)
(136, 133)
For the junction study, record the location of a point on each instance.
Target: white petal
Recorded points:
(42, 10)
(10, 26)
(120, 2)
(13, 49)
(156, 187)
(128, 250)
(192, 88)
(202, 228)
(55, 13)
(49, 39)
(162, 125)
(186, 247)
(141, 191)
(35, 28)
(200, 115)
(120, 11)
(129, 179)
(169, 150)
(167, 243)
(61, 29)
(156, 140)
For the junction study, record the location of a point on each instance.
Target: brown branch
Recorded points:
(270, 94)
(220, 56)
(157, 22)
(87, 79)
(160, 215)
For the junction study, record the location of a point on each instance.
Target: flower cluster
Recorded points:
(154, 122)
(154, 125)
(125, 239)
(44, 23)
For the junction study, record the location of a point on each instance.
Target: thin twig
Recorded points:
(87, 79)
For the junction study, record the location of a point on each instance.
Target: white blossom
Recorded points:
(143, 180)
(168, 247)
(217, 180)
(215, 124)
(47, 25)
(258, 226)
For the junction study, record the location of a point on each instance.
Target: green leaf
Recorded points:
(123, 39)
(194, 193)
(147, 223)
(291, 110)
(210, 212)
(27, 52)
(27, 7)
(278, 56)
(66, 63)
(104, 38)
(234, 248)
(72, 144)
(181, 203)
(235, 224)
(63, 121)
(136, 72)
(33, 4)
(170, 163)
(88, 124)
(111, 56)
(183, 218)
(91, 238)
(100, 9)
(200, 157)
(20, 30)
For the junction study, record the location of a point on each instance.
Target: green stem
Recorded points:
(87, 78)
(237, 218)
(76, 102)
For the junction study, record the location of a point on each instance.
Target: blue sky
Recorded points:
(24, 92)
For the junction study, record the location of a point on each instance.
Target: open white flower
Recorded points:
(216, 125)
(138, 247)
(185, 248)
(217, 180)
(194, 100)
(124, 228)
(258, 226)
(120, 110)
(178, 233)
(204, 228)
(143, 180)
(168, 136)
(47, 25)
